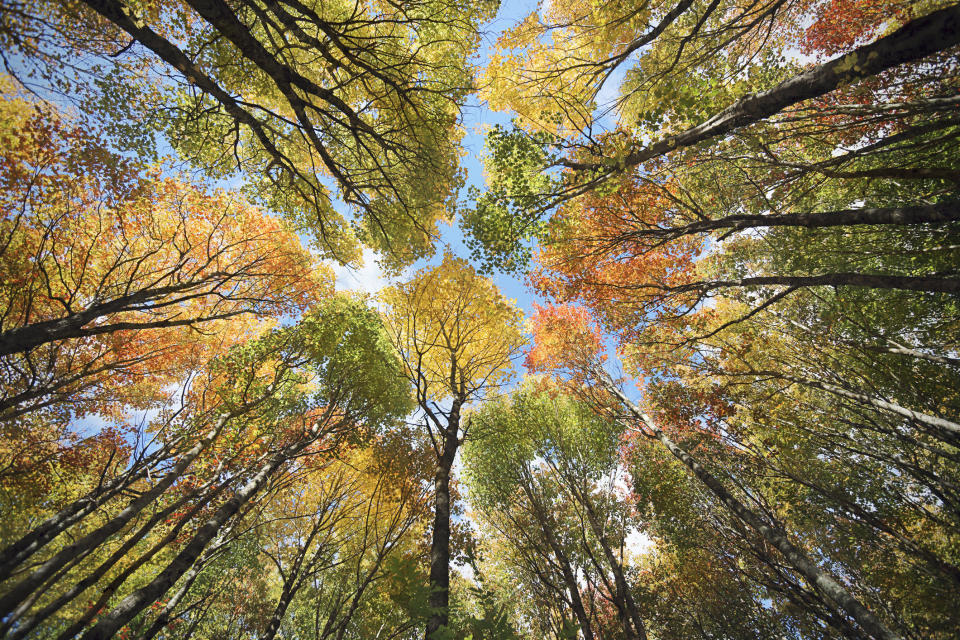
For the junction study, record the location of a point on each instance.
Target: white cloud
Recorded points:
(369, 278)
(638, 543)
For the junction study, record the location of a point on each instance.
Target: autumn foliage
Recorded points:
(732, 413)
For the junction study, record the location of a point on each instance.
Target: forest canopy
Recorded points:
(683, 362)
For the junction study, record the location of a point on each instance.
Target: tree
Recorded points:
(771, 101)
(115, 282)
(297, 394)
(311, 102)
(739, 208)
(542, 454)
(456, 337)
(571, 347)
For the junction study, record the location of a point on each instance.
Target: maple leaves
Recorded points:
(456, 336)
(455, 332)
(105, 263)
(742, 265)
(840, 24)
(565, 338)
(200, 437)
(314, 103)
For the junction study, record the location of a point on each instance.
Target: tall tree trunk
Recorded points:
(21, 550)
(24, 627)
(164, 618)
(933, 283)
(915, 40)
(74, 325)
(947, 430)
(772, 534)
(22, 590)
(939, 213)
(133, 604)
(630, 612)
(440, 542)
(569, 577)
(294, 580)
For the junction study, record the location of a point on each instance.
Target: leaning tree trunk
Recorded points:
(21, 550)
(775, 536)
(569, 576)
(133, 604)
(19, 592)
(629, 610)
(915, 40)
(940, 213)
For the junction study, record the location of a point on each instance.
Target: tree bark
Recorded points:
(569, 577)
(931, 284)
(129, 607)
(439, 599)
(915, 40)
(22, 590)
(923, 214)
(949, 429)
(32, 335)
(623, 594)
(24, 627)
(293, 580)
(772, 534)
(21, 550)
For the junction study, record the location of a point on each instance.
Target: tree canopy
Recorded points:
(683, 363)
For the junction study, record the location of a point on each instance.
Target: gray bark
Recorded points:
(22, 590)
(913, 41)
(129, 607)
(772, 534)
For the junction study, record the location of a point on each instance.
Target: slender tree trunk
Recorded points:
(163, 619)
(133, 604)
(20, 591)
(949, 430)
(26, 626)
(294, 580)
(773, 535)
(915, 40)
(107, 592)
(360, 590)
(440, 542)
(880, 524)
(623, 595)
(903, 216)
(573, 588)
(569, 577)
(286, 597)
(21, 550)
(920, 355)
(932, 284)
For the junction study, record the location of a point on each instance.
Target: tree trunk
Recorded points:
(773, 535)
(294, 580)
(440, 543)
(20, 591)
(933, 284)
(569, 577)
(625, 599)
(921, 214)
(913, 41)
(21, 550)
(32, 335)
(949, 431)
(133, 604)
(24, 627)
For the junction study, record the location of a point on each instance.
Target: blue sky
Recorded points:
(477, 117)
